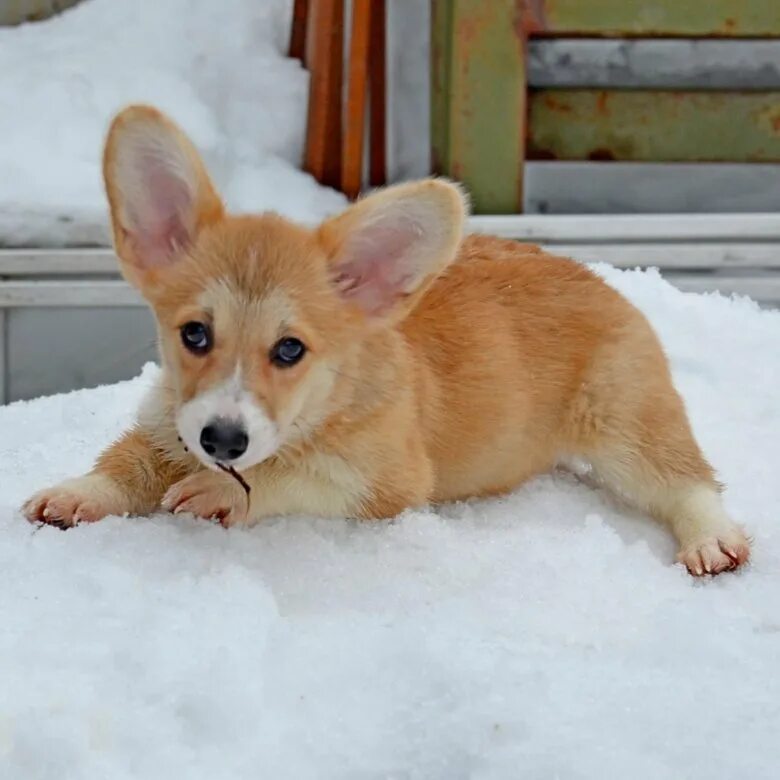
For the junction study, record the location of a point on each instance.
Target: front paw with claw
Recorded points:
(82, 500)
(209, 495)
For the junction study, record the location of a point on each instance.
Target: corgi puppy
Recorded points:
(377, 362)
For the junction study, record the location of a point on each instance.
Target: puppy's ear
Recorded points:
(159, 193)
(387, 248)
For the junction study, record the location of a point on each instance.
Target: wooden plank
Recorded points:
(654, 64)
(325, 61)
(300, 15)
(95, 293)
(680, 18)
(601, 230)
(673, 254)
(592, 188)
(3, 356)
(355, 113)
(55, 262)
(762, 289)
(377, 67)
(676, 256)
(655, 126)
(627, 253)
(480, 140)
(630, 228)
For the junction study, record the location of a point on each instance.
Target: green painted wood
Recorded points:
(725, 18)
(479, 100)
(441, 57)
(654, 126)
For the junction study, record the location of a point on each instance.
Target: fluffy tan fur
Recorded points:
(485, 364)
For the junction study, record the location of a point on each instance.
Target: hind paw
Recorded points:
(715, 554)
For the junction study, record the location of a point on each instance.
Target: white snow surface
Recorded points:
(218, 68)
(546, 634)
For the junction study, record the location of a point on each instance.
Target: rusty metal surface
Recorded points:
(441, 58)
(479, 100)
(654, 126)
(680, 18)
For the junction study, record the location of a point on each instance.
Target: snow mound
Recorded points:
(545, 634)
(216, 68)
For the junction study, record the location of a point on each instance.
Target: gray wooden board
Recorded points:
(744, 250)
(656, 64)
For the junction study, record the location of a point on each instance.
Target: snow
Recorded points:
(546, 634)
(217, 68)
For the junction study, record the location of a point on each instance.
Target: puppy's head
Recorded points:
(262, 322)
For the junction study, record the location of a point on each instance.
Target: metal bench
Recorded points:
(516, 81)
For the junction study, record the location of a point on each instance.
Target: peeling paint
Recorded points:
(655, 126)
(481, 90)
(531, 16)
(602, 155)
(681, 18)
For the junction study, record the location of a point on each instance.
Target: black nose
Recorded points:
(224, 440)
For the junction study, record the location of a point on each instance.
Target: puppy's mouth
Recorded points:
(218, 465)
(233, 473)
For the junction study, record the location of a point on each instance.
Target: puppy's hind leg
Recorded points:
(660, 469)
(629, 422)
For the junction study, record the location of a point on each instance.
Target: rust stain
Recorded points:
(776, 124)
(468, 29)
(538, 153)
(730, 24)
(530, 17)
(602, 107)
(557, 106)
(602, 154)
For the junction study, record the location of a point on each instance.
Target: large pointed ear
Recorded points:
(158, 190)
(387, 248)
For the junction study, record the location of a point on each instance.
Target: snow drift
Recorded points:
(545, 634)
(218, 68)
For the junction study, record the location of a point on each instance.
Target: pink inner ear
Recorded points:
(160, 223)
(376, 265)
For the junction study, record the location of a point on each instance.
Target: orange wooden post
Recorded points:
(377, 79)
(335, 142)
(355, 114)
(325, 61)
(298, 30)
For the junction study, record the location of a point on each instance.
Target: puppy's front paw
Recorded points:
(715, 554)
(209, 495)
(84, 499)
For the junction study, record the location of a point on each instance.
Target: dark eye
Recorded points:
(196, 337)
(287, 352)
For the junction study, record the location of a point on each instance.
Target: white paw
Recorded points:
(210, 495)
(84, 499)
(714, 554)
